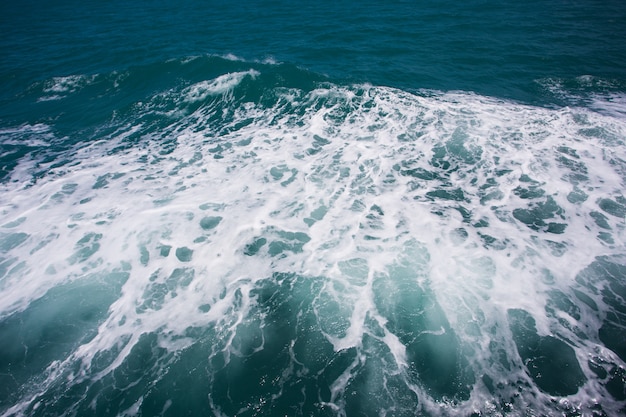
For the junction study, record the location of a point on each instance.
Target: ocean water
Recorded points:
(341, 208)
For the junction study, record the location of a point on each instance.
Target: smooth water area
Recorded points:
(321, 209)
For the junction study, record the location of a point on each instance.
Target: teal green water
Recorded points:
(313, 209)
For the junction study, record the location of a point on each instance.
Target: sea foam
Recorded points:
(420, 243)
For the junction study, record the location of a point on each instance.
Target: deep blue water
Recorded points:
(313, 208)
(488, 47)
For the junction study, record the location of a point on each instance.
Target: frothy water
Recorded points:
(225, 248)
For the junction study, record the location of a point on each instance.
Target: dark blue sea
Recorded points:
(314, 208)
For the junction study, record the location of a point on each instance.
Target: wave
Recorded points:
(253, 238)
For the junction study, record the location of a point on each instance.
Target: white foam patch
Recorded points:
(60, 87)
(612, 104)
(232, 57)
(599, 94)
(363, 172)
(221, 85)
(35, 135)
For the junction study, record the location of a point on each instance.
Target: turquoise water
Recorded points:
(313, 209)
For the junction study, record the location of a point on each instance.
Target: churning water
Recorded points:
(214, 235)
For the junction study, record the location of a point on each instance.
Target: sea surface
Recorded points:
(313, 208)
